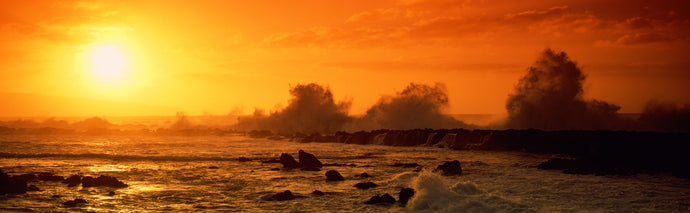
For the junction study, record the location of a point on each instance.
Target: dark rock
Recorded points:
(450, 168)
(365, 185)
(288, 161)
(32, 188)
(405, 165)
(213, 167)
(308, 160)
(74, 203)
(73, 180)
(405, 194)
(47, 176)
(24, 177)
(317, 193)
(383, 199)
(286, 195)
(364, 175)
(10, 185)
(111, 193)
(102, 181)
(243, 159)
(332, 175)
(558, 164)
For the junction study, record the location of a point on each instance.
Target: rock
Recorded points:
(10, 185)
(317, 193)
(383, 199)
(332, 175)
(405, 165)
(450, 168)
(73, 180)
(365, 185)
(32, 188)
(308, 160)
(281, 196)
(364, 175)
(405, 194)
(288, 161)
(47, 176)
(74, 203)
(111, 193)
(102, 181)
(213, 167)
(558, 164)
(24, 177)
(243, 159)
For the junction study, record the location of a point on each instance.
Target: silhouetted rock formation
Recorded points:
(405, 194)
(317, 193)
(383, 199)
(280, 196)
(288, 161)
(332, 175)
(308, 161)
(73, 180)
(74, 203)
(102, 181)
(450, 168)
(631, 152)
(9, 185)
(365, 185)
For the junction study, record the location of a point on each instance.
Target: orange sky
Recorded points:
(221, 56)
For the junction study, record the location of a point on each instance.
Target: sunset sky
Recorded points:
(117, 58)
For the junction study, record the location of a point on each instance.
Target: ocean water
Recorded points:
(173, 174)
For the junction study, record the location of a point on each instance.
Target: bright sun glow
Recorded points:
(108, 63)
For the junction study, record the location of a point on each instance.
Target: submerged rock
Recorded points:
(317, 193)
(365, 185)
(405, 165)
(47, 176)
(102, 181)
(212, 167)
(74, 203)
(308, 160)
(332, 175)
(364, 175)
(288, 161)
(280, 196)
(73, 180)
(383, 199)
(405, 194)
(450, 168)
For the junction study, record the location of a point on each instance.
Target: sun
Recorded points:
(107, 62)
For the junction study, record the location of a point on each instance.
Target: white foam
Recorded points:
(435, 193)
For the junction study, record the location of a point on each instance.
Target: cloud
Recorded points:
(550, 97)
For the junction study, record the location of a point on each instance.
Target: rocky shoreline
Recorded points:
(591, 152)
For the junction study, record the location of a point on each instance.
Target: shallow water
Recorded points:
(173, 174)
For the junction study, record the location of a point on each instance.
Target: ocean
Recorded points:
(203, 174)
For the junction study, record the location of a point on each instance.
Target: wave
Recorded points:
(434, 193)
